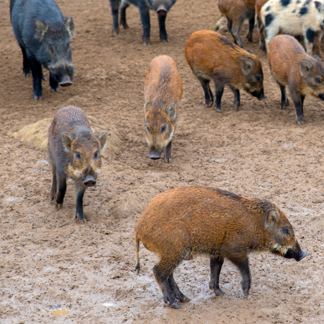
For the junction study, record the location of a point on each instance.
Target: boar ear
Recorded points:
(318, 5)
(248, 65)
(69, 25)
(147, 106)
(102, 137)
(272, 217)
(172, 111)
(305, 67)
(67, 140)
(40, 29)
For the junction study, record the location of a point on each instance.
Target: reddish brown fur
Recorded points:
(181, 223)
(291, 66)
(236, 11)
(74, 152)
(162, 93)
(212, 56)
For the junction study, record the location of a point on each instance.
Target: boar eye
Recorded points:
(286, 230)
(96, 155)
(318, 80)
(78, 156)
(258, 78)
(148, 129)
(163, 129)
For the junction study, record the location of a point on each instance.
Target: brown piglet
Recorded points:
(162, 93)
(182, 223)
(74, 152)
(291, 66)
(212, 56)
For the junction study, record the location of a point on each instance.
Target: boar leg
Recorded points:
(219, 89)
(167, 152)
(309, 41)
(209, 98)
(162, 271)
(37, 78)
(61, 181)
(236, 93)
(79, 192)
(114, 4)
(176, 291)
(236, 32)
(163, 34)
(215, 269)
(298, 100)
(242, 262)
(284, 100)
(26, 63)
(251, 26)
(54, 184)
(145, 18)
(53, 83)
(123, 15)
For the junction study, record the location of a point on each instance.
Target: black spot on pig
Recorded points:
(310, 35)
(268, 19)
(303, 11)
(268, 8)
(285, 3)
(294, 11)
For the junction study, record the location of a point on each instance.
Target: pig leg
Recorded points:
(167, 152)
(176, 291)
(123, 15)
(162, 272)
(236, 93)
(26, 63)
(251, 26)
(54, 184)
(219, 89)
(236, 32)
(298, 100)
(209, 98)
(61, 181)
(163, 34)
(53, 83)
(309, 40)
(79, 192)
(261, 34)
(284, 100)
(114, 4)
(145, 18)
(215, 269)
(242, 263)
(37, 78)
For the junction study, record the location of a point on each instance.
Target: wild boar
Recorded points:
(74, 152)
(291, 65)
(293, 18)
(236, 11)
(182, 223)
(212, 56)
(162, 93)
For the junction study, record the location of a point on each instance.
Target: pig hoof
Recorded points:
(146, 43)
(115, 31)
(218, 109)
(58, 206)
(38, 97)
(164, 40)
(125, 26)
(300, 121)
(174, 304)
(25, 74)
(218, 292)
(209, 105)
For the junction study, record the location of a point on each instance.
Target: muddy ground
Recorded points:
(84, 273)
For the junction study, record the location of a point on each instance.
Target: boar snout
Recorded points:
(89, 181)
(295, 253)
(259, 94)
(321, 96)
(66, 81)
(155, 155)
(161, 11)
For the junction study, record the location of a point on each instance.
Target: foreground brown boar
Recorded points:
(212, 56)
(162, 93)
(74, 152)
(236, 11)
(291, 65)
(181, 223)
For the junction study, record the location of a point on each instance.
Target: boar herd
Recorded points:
(182, 223)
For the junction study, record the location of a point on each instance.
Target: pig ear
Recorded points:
(248, 65)
(272, 217)
(147, 106)
(318, 5)
(67, 140)
(40, 29)
(172, 111)
(69, 25)
(102, 137)
(305, 67)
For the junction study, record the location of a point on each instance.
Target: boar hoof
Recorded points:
(218, 109)
(146, 42)
(218, 292)
(58, 206)
(80, 217)
(173, 304)
(164, 40)
(300, 121)
(115, 31)
(36, 97)
(26, 74)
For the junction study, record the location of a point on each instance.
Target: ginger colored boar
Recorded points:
(162, 93)
(182, 223)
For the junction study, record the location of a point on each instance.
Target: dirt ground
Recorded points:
(54, 269)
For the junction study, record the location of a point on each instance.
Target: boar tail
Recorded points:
(137, 246)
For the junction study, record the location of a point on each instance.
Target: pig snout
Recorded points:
(66, 81)
(295, 253)
(258, 94)
(89, 181)
(161, 11)
(154, 155)
(321, 96)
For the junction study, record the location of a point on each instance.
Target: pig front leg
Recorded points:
(242, 262)
(123, 15)
(209, 98)
(26, 63)
(251, 26)
(79, 192)
(298, 100)
(54, 184)
(145, 18)
(309, 40)
(167, 152)
(163, 34)
(237, 101)
(37, 78)
(215, 269)
(61, 181)
(284, 100)
(219, 89)
(115, 4)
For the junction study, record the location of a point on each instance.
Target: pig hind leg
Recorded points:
(61, 181)
(219, 89)
(209, 98)
(37, 78)
(251, 18)
(236, 29)
(123, 15)
(176, 291)
(284, 100)
(79, 192)
(167, 152)
(215, 269)
(54, 184)
(114, 4)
